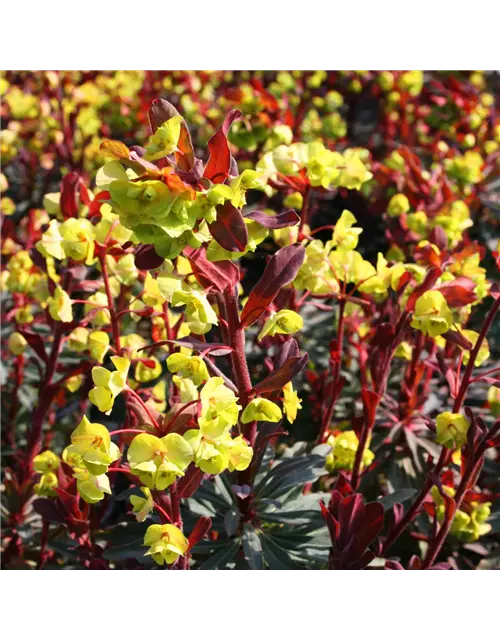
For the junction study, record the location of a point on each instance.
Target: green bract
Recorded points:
(159, 461)
(92, 442)
(167, 543)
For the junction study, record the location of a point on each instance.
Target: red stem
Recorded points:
(111, 305)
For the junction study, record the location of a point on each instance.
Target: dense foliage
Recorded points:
(248, 320)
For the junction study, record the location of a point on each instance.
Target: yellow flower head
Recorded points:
(142, 506)
(109, 384)
(200, 316)
(158, 462)
(291, 402)
(343, 454)
(145, 373)
(240, 454)
(192, 367)
(165, 139)
(432, 314)
(78, 339)
(261, 409)
(451, 429)
(345, 236)
(398, 204)
(219, 408)
(60, 306)
(46, 461)
(17, 343)
(284, 322)
(167, 543)
(90, 487)
(92, 442)
(98, 344)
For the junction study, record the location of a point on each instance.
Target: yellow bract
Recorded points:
(167, 543)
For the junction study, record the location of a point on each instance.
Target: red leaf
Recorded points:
(277, 379)
(201, 528)
(373, 522)
(146, 257)
(284, 219)
(430, 280)
(70, 189)
(36, 343)
(458, 292)
(219, 275)
(280, 271)
(370, 402)
(229, 229)
(219, 162)
(190, 481)
(331, 523)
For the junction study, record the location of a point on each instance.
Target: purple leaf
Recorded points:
(284, 219)
(229, 229)
(278, 379)
(280, 271)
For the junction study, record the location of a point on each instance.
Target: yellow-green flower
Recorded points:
(398, 204)
(78, 339)
(261, 409)
(187, 388)
(345, 236)
(78, 239)
(158, 462)
(51, 242)
(219, 408)
(60, 306)
(46, 461)
(343, 454)
(109, 384)
(284, 322)
(211, 454)
(167, 543)
(240, 454)
(469, 523)
(451, 429)
(291, 402)
(74, 383)
(484, 350)
(17, 343)
(192, 367)
(98, 301)
(46, 485)
(165, 139)
(92, 442)
(90, 487)
(142, 506)
(432, 314)
(200, 316)
(145, 373)
(98, 344)
(349, 266)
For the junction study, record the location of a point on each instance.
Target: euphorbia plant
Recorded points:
(170, 325)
